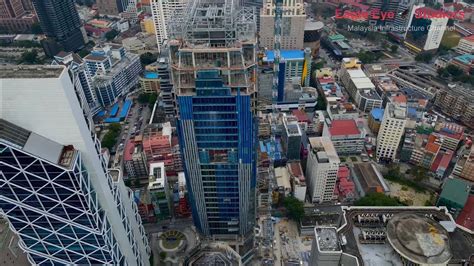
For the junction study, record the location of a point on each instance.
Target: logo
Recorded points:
(377, 14)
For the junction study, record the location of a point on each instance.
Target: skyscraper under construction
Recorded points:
(213, 63)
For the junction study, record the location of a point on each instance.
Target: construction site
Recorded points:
(218, 35)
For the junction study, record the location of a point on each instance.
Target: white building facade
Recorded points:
(162, 11)
(321, 170)
(41, 103)
(391, 131)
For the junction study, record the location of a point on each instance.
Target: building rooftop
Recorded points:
(37, 145)
(157, 176)
(419, 239)
(313, 25)
(324, 149)
(30, 71)
(469, 38)
(466, 217)
(343, 128)
(456, 190)
(285, 55)
(377, 114)
(150, 75)
(282, 177)
(128, 150)
(465, 58)
(396, 111)
(452, 130)
(92, 57)
(369, 178)
(327, 239)
(301, 115)
(295, 170)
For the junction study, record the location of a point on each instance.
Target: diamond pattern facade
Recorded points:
(54, 210)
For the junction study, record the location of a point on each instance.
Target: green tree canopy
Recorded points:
(110, 138)
(454, 70)
(29, 57)
(36, 28)
(294, 207)
(377, 199)
(394, 48)
(424, 57)
(148, 58)
(111, 35)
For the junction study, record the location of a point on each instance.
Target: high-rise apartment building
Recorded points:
(391, 131)
(110, 7)
(113, 71)
(400, 9)
(55, 189)
(291, 138)
(292, 28)
(426, 29)
(213, 65)
(16, 16)
(81, 80)
(321, 169)
(162, 11)
(60, 22)
(257, 4)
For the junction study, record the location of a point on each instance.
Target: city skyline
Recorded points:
(236, 132)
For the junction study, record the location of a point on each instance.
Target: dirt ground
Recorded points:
(408, 195)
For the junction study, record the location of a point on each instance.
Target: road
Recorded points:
(136, 121)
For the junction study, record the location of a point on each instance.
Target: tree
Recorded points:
(162, 255)
(147, 98)
(424, 57)
(394, 48)
(83, 53)
(136, 182)
(367, 57)
(148, 58)
(36, 28)
(321, 105)
(110, 138)
(442, 72)
(377, 199)
(454, 70)
(128, 182)
(294, 207)
(111, 35)
(29, 57)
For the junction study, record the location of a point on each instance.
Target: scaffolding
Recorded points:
(214, 23)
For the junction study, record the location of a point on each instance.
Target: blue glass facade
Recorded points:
(217, 133)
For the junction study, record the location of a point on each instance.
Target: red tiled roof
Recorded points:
(128, 151)
(432, 147)
(400, 98)
(466, 217)
(452, 130)
(174, 141)
(469, 38)
(301, 116)
(325, 80)
(343, 172)
(436, 162)
(296, 170)
(343, 128)
(447, 156)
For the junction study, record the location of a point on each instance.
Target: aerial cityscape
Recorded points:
(237, 132)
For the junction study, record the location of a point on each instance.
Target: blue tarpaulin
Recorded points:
(114, 110)
(125, 108)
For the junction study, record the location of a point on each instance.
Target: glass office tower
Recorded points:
(218, 134)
